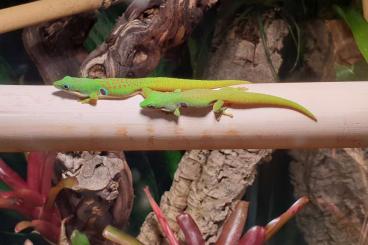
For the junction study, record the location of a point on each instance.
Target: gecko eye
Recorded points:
(66, 86)
(103, 91)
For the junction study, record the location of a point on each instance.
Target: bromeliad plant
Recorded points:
(35, 197)
(233, 227)
(231, 231)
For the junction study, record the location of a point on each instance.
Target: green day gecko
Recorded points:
(90, 90)
(172, 101)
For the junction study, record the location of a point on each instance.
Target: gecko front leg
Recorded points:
(91, 99)
(219, 110)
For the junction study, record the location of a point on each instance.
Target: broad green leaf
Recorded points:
(199, 43)
(165, 68)
(79, 238)
(143, 175)
(6, 73)
(171, 160)
(358, 26)
(355, 72)
(106, 20)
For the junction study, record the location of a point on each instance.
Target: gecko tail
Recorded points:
(275, 101)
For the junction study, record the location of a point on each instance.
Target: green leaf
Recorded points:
(106, 20)
(79, 238)
(358, 26)
(6, 73)
(143, 175)
(165, 68)
(171, 160)
(199, 43)
(355, 72)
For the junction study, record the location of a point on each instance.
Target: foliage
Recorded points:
(358, 26)
(34, 198)
(78, 238)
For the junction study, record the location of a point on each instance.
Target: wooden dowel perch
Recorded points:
(36, 12)
(39, 118)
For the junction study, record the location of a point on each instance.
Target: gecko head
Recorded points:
(150, 102)
(65, 84)
(74, 85)
(158, 100)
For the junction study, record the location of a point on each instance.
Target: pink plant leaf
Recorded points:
(12, 203)
(10, 177)
(161, 219)
(47, 172)
(234, 225)
(254, 236)
(34, 168)
(193, 235)
(275, 225)
(48, 230)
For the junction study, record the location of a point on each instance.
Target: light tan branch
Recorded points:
(34, 118)
(36, 12)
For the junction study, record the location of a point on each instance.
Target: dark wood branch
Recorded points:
(142, 35)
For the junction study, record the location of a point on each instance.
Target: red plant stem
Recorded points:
(254, 236)
(13, 204)
(193, 235)
(50, 215)
(161, 219)
(23, 198)
(29, 197)
(233, 227)
(7, 194)
(274, 225)
(47, 172)
(46, 229)
(34, 168)
(10, 177)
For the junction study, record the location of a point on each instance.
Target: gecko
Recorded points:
(90, 90)
(172, 101)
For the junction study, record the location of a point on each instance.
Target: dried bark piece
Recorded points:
(336, 181)
(241, 54)
(345, 48)
(205, 186)
(318, 54)
(142, 35)
(102, 199)
(56, 47)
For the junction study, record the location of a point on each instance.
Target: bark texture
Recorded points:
(104, 195)
(56, 47)
(244, 55)
(142, 35)
(336, 181)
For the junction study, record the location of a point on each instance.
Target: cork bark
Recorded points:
(205, 185)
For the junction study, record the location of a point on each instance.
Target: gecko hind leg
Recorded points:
(177, 111)
(219, 110)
